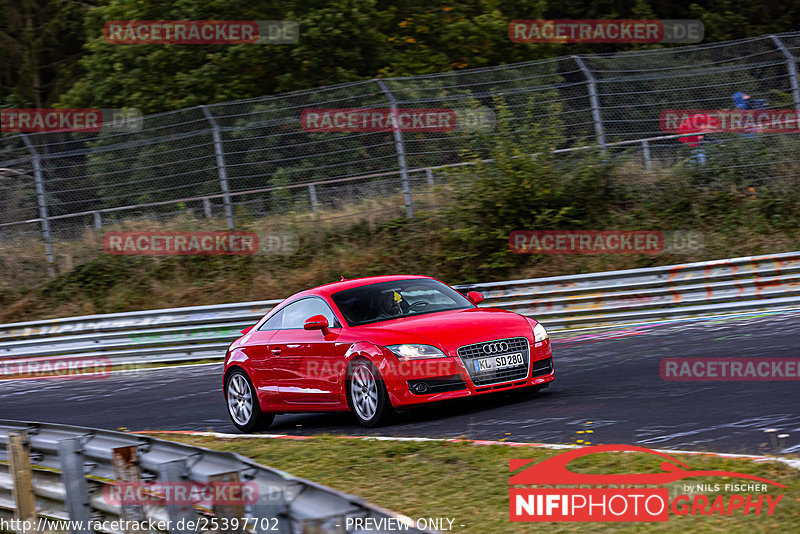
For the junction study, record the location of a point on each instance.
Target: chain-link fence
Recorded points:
(230, 164)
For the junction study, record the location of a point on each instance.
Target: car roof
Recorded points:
(335, 287)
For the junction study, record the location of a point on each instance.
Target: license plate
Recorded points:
(499, 362)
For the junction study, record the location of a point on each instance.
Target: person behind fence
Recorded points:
(744, 102)
(698, 125)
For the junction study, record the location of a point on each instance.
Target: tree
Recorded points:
(40, 42)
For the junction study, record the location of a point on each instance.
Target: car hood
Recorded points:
(448, 330)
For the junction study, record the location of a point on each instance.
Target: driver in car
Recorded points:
(390, 303)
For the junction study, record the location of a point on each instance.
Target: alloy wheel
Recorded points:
(240, 399)
(364, 392)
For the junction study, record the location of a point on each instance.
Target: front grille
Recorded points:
(470, 353)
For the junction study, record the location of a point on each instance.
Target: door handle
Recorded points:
(276, 351)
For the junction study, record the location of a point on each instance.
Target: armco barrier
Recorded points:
(756, 283)
(86, 462)
(710, 287)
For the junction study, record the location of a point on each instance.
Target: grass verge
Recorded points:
(469, 483)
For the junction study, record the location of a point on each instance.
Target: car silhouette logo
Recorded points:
(553, 471)
(493, 348)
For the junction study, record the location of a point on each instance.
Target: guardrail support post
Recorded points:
(42, 201)
(221, 168)
(646, 155)
(594, 99)
(22, 478)
(180, 515)
(233, 511)
(791, 66)
(126, 470)
(399, 145)
(273, 514)
(75, 488)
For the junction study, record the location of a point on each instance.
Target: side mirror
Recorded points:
(318, 322)
(475, 297)
(246, 330)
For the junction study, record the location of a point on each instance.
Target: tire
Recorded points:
(367, 396)
(242, 403)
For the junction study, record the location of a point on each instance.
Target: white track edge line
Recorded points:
(757, 458)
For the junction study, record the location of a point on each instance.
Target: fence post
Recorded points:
(76, 491)
(646, 155)
(401, 151)
(22, 478)
(429, 176)
(595, 102)
(792, 67)
(223, 171)
(42, 201)
(312, 194)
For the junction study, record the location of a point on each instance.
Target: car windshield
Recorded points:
(403, 298)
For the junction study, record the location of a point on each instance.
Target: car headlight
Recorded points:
(539, 333)
(408, 352)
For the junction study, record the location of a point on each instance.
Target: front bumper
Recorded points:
(448, 378)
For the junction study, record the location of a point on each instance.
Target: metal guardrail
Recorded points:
(768, 282)
(74, 467)
(693, 289)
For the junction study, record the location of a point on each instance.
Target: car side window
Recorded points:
(297, 313)
(274, 322)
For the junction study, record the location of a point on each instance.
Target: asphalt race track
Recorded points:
(607, 381)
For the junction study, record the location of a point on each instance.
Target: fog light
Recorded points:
(422, 387)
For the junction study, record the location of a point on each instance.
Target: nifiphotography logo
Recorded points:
(627, 497)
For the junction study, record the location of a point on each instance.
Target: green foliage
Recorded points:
(528, 187)
(40, 43)
(340, 41)
(95, 280)
(748, 182)
(345, 41)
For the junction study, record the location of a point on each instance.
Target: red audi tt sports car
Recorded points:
(374, 345)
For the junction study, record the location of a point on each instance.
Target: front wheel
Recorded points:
(243, 407)
(367, 395)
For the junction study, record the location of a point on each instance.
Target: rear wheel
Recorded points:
(243, 407)
(367, 395)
